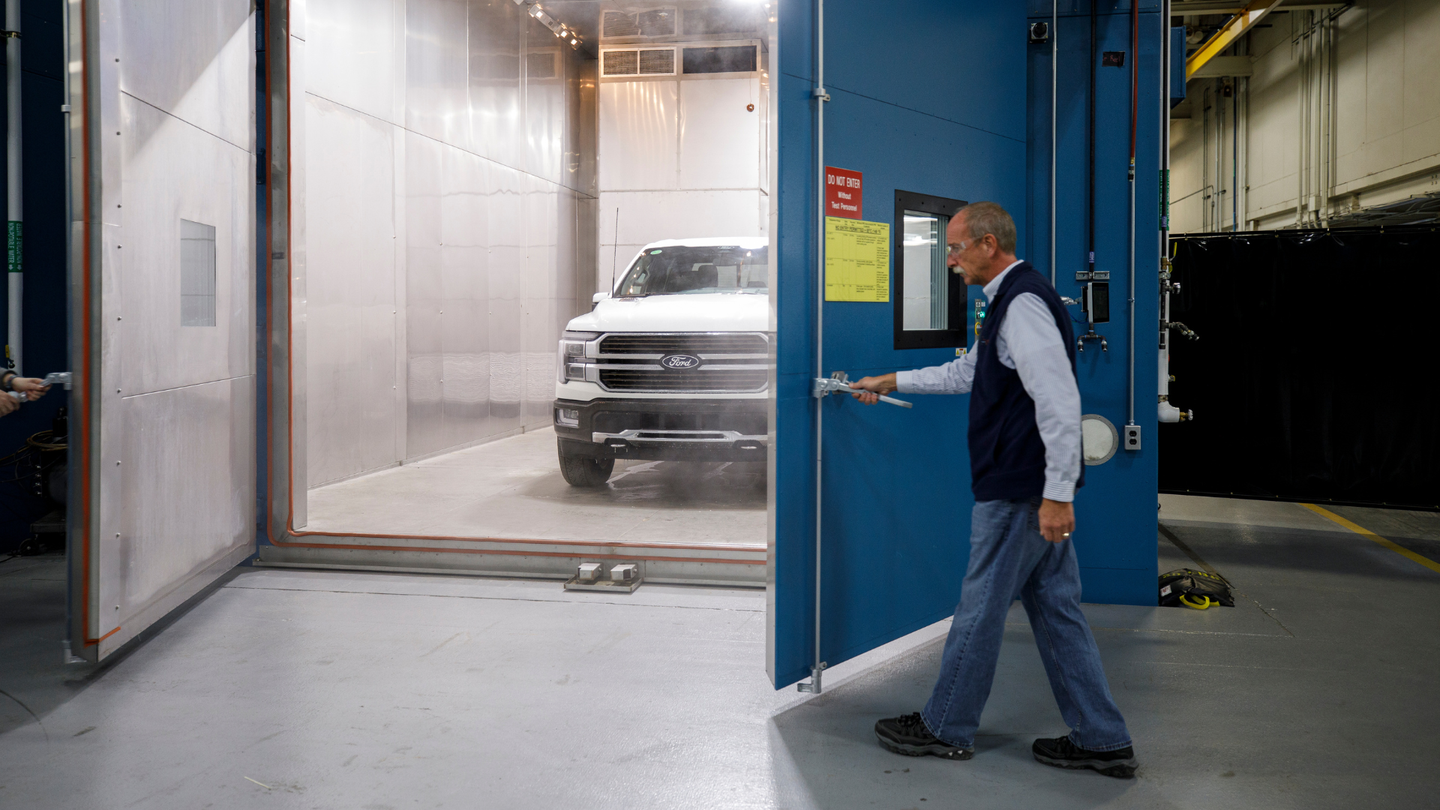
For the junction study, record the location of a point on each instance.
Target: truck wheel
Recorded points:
(586, 472)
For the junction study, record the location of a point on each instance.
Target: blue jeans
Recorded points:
(1009, 558)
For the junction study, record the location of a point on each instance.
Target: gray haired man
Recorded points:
(1024, 437)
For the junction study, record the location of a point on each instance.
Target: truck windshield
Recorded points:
(689, 269)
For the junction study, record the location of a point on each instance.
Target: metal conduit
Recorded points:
(820, 97)
(15, 197)
(1134, 113)
(1054, 101)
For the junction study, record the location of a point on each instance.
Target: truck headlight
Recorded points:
(572, 360)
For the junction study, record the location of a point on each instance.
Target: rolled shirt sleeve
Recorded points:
(1034, 345)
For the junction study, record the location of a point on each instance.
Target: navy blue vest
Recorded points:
(1007, 455)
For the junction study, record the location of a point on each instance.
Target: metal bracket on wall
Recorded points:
(814, 686)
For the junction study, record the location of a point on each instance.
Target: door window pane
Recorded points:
(927, 287)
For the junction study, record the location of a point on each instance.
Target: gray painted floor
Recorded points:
(295, 689)
(512, 488)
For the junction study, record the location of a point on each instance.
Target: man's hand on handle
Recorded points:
(868, 389)
(33, 388)
(1057, 520)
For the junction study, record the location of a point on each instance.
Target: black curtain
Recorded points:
(1311, 379)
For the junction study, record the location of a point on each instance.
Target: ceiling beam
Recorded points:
(1232, 30)
(1219, 66)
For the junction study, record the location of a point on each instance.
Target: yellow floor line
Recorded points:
(1364, 532)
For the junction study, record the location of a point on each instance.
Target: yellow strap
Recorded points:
(1188, 601)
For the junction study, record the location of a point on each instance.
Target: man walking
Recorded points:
(1025, 464)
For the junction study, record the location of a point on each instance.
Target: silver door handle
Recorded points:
(839, 382)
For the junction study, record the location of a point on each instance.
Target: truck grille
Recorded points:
(696, 343)
(730, 362)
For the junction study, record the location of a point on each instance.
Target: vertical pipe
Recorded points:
(820, 97)
(1216, 212)
(1054, 107)
(1219, 155)
(1134, 119)
(14, 231)
(1299, 124)
(71, 488)
(1164, 155)
(1234, 155)
(1090, 141)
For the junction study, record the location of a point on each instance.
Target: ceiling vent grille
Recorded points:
(638, 62)
(657, 62)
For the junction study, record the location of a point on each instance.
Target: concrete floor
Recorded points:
(295, 689)
(512, 488)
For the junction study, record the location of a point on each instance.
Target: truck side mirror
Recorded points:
(597, 298)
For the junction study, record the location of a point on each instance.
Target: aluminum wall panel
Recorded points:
(639, 124)
(357, 55)
(437, 70)
(474, 227)
(495, 73)
(424, 295)
(719, 138)
(174, 171)
(351, 308)
(195, 61)
(465, 292)
(190, 497)
(508, 227)
(172, 89)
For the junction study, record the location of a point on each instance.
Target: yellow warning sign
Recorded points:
(857, 260)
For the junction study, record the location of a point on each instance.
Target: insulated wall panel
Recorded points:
(720, 138)
(639, 124)
(352, 400)
(357, 54)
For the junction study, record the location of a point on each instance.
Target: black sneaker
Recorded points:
(1065, 754)
(907, 735)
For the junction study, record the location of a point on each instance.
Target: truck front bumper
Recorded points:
(663, 429)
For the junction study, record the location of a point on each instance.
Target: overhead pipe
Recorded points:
(14, 231)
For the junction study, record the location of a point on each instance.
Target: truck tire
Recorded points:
(585, 472)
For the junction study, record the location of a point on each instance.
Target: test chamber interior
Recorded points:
(525, 170)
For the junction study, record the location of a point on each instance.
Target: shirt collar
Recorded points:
(994, 285)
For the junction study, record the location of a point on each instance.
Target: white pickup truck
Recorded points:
(674, 364)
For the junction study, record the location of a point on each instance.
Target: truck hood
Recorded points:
(707, 312)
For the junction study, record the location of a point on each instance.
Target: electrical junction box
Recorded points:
(1132, 437)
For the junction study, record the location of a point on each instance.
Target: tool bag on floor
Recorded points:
(1186, 587)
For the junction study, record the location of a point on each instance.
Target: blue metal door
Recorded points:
(945, 99)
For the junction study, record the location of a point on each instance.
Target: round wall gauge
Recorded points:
(1098, 439)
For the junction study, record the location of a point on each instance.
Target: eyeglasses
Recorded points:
(951, 250)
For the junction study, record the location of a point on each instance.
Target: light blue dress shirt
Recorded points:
(1030, 343)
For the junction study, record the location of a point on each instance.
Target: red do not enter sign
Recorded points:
(842, 193)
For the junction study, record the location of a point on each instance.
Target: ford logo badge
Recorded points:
(680, 362)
